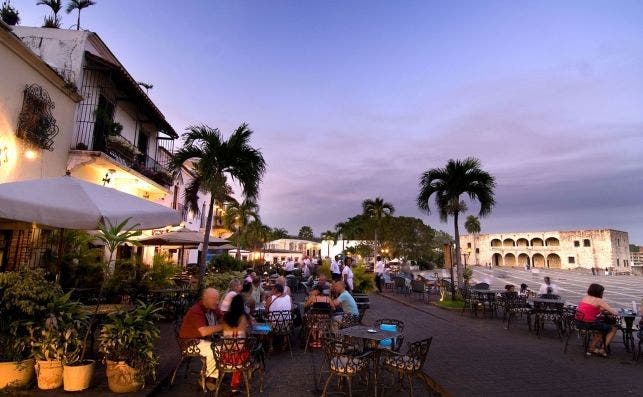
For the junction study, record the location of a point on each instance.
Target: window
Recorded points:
(571, 259)
(468, 245)
(576, 243)
(618, 262)
(586, 243)
(477, 250)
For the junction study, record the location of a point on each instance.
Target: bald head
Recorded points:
(210, 298)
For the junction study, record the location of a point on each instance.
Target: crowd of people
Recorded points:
(235, 313)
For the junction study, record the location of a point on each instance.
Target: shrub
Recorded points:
(324, 269)
(221, 281)
(363, 281)
(225, 262)
(161, 273)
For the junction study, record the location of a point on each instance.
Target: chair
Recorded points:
(397, 341)
(235, 355)
(316, 321)
(282, 325)
(408, 365)
(584, 330)
(470, 301)
(546, 311)
(481, 286)
(549, 296)
(400, 285)
(419, 289)
(389, 285)
(515, 306)
(343, 363)
(188, 349)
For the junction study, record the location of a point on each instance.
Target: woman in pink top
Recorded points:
(589, 308)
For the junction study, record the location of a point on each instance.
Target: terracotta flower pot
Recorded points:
(121, 378)
(78, 377)
(16, 374)
(49, 374)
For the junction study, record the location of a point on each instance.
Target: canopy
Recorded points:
(182, 236)
(70, 203)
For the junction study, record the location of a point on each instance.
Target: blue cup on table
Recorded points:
(387, 343)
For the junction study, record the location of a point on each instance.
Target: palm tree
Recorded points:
(472, 226)
(212, 159)
(448, 184)
(78, 5)
(55, 5)
(377, 209)
(329, 236)
(241, 215)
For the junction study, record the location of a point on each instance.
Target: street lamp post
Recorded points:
(465, 255)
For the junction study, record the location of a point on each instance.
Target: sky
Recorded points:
(352, 100)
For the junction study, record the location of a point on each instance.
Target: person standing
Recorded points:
(235, 287)
(548, 288)
(347, 274)
(379, 271)
(336, 275)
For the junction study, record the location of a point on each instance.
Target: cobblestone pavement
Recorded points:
(468, 357)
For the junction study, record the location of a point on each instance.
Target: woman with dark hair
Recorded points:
(592, 310)
(235, 325)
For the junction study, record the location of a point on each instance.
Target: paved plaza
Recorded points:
(470, 357)
(620, 291)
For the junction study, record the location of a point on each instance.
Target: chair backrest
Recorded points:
(419, 350)
(400, 282)
(549, 296)
(348, 320)
(418, 286)
(481, 286)
(233, 354)
(281, 322)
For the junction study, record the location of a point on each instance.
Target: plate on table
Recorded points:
(371, 331)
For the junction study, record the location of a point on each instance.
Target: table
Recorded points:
(361, 332)
(487, 297)
(627, 317)
(548, 309)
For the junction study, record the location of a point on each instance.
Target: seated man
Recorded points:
(279, 301)
(195, 325)
(345, 303)
(324, 285)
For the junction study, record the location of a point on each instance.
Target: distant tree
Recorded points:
(447, 184)
(634, 248)
(472, 226)
(51, 21)
(78, 5)
(240, 215)
(8, 14)
(377, 209)
(305, 233)
(278, 233)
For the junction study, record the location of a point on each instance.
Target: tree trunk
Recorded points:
(206, 243)
(377, 246)
(457, 249)
(78, 21)
(238, 255)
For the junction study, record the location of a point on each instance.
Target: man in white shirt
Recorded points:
(379, 271)
(290, 266)
(279, 301)
(347, 274)
(548, 288)
(334, 270)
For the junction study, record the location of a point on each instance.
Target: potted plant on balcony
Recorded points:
(50, 339)
(127, 342)
(24, 297)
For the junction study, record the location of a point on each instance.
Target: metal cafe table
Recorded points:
(370, 334)
(627, 316)
(486, 298)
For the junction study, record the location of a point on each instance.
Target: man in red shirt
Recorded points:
(200, 322)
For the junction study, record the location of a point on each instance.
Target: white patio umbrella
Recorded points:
(70, 203)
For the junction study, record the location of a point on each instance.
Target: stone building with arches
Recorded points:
(596, 248)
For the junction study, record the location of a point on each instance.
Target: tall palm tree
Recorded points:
(78, 5)
(55, 5)
(213, 159)
(329, 236)
(472, 226)
(377, 209)
(448, 184)
(241, 215)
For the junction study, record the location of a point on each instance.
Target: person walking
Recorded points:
(379, 271)
(334, 270)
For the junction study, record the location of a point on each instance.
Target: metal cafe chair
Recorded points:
(236, 355)
(398, 341)
(189, 350)
(282, 325)
(408, 365)
(342, 363)
(584, 330)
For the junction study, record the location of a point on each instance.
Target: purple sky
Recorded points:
(352, 100)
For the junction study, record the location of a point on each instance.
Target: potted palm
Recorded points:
(50, 339)
(24, 296)
(363, 283)
(127, 342)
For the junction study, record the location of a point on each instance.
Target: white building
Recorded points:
(636, 259)
(331, 249)
(600, 248)
(293, 245)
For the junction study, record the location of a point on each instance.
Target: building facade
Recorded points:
(292, 245)
(598, 248)
(636, 259)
